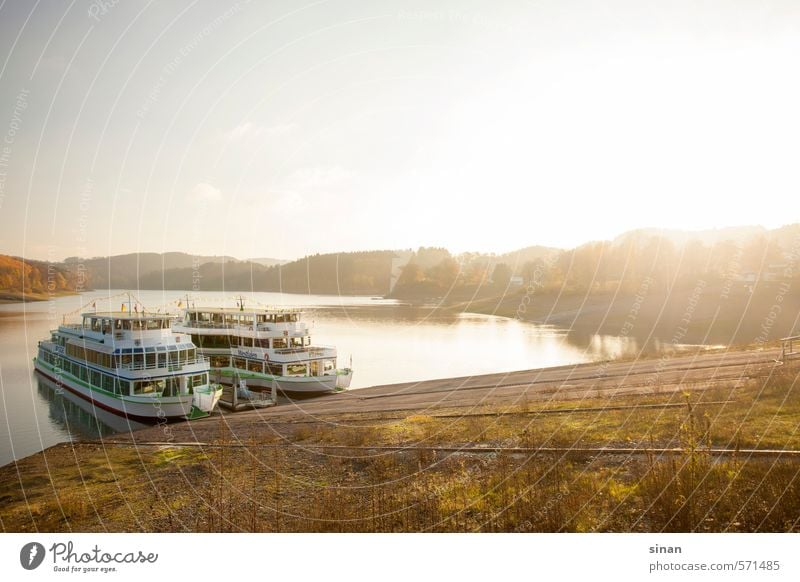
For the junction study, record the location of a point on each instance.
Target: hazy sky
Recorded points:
(283, 128)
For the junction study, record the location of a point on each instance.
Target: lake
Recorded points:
(388, 341)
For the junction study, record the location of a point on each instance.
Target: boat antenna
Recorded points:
(241, 303)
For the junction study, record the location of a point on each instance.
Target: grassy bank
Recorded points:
(330, 474)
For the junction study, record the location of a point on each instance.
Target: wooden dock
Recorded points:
(233, 401)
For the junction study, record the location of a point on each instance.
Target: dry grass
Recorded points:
(287, 480)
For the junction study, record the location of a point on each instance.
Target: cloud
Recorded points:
(207, 192)
(318, 178)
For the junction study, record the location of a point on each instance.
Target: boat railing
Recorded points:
(169, 366)
(205, 325)
(281, 326)
(316, 350)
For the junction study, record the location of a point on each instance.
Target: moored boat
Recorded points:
(263, 347)
(131, 364)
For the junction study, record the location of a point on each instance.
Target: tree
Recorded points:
(501, 275)
(444, 274)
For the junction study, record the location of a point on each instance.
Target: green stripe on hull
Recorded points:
(60, 372)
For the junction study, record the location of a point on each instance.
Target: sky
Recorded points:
(293, 127)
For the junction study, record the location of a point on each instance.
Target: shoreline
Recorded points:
(7, 297)
(361, 460)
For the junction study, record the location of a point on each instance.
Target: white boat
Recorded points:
(262, 347)
(131, 364)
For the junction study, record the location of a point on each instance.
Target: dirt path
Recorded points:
(575, 382)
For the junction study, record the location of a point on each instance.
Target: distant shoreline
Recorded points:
(20, 297)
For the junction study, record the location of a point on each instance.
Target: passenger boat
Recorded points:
(131, 364)
(264, 346)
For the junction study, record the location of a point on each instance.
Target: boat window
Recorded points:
(330, 365)
(122, 387)
(150, 360)
(255, 366)
(215, 341)
(220, 361)
(95, 378)
(275, 369)
(172, 387)
(95, 324)
(296, 370)
(293, 317)
(297, 342)
(279, 343)
(240, 363)
(263, 343)
(247, 342)
(148, 386)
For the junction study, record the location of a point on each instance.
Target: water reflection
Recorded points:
(79, 417)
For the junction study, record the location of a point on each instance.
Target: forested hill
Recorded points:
(663, 258)
(361, 273)
(357, 273)
(33, 278)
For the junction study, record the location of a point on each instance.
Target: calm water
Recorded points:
(388, 342)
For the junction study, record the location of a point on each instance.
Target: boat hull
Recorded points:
(206, 399)
(287, 385)
(143, 409)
